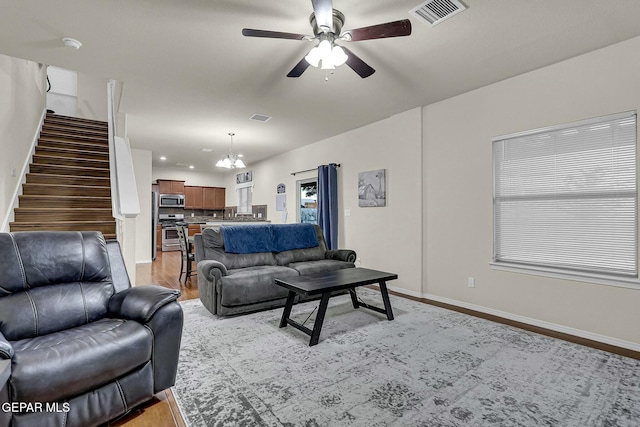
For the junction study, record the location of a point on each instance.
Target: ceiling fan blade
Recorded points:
(249, 32)
(323, 10)
(358, 65)
(380, 31)
(300, 68)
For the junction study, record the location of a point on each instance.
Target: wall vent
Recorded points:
(436, 11)
(260, 117)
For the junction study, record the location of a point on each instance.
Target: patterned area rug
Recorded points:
(428, 367)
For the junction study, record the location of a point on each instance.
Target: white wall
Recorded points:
(142, 166)
(92, 97)
(385, 238)
(191, 177)
(22, 103)
(457, 189)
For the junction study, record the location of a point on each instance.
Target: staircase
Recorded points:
(68, 187)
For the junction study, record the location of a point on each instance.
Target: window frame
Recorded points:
(559, 272)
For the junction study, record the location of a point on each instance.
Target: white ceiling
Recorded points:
(190, 77)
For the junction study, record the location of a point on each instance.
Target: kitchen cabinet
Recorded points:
(193, 197)
(219, 197)
(159, 238)
(194, 229)
(214, 198)
(167, 186)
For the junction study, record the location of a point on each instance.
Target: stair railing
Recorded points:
(124, 193)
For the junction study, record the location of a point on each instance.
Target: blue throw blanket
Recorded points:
(294, 236)
(249, 239)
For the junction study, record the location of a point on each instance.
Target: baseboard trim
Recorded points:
(17, 192)
(578, 336)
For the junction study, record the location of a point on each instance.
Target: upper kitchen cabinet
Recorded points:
(193, 197)
(167, 186)
(214, 198)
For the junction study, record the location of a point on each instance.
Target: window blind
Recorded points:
(566, 197)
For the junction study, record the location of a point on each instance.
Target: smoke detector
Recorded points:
(72, 43)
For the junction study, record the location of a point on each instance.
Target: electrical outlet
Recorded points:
(471, 282)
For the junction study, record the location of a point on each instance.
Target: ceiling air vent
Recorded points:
(260, 117)
(436, 11)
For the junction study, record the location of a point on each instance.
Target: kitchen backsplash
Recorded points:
(200, 215)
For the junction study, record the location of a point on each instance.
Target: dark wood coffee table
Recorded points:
(325, 284)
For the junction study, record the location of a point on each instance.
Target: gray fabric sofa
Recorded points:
(230, 283)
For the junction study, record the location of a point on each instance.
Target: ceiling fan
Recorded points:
(327, 25)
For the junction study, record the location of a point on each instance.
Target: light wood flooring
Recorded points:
(162, 410)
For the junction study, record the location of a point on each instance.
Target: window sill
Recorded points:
(600, 279)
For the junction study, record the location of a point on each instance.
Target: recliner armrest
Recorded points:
(341, 255)
(6, 349)
(141, 302)
(207, 268)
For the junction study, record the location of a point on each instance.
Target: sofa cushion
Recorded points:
(64, 364)
(253, 284)
(298, 255)
(311, 267)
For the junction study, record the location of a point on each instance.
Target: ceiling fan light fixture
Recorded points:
(313, 57)
(338, 57)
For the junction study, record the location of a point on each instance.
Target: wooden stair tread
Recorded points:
(48, 196)
(75, 127)
(73, 186)
(73, 144)
(68, 170)
(74, 137)
(35, 178)
(93, 163)
(71, 152)
(75, 119)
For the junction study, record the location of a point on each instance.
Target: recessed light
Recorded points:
(191, 167)
(163, 158)
(207, 150)
(240, 155)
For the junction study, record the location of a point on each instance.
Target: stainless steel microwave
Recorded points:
(172, 201)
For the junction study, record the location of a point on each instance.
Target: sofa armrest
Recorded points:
(341, 255)
(6, 349)
(209, 268)
(141, 303)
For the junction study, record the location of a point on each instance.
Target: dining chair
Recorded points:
(186, 254)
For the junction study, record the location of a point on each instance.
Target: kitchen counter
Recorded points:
(225, 221)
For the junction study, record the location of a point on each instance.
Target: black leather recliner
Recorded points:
(84, 346)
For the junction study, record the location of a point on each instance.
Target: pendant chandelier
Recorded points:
(231, 160)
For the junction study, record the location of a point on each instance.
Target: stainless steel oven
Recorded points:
(170, 240)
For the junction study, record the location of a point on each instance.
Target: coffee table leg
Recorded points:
(317, 326)
(385, 299)
(287, 309)
(354, 297)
